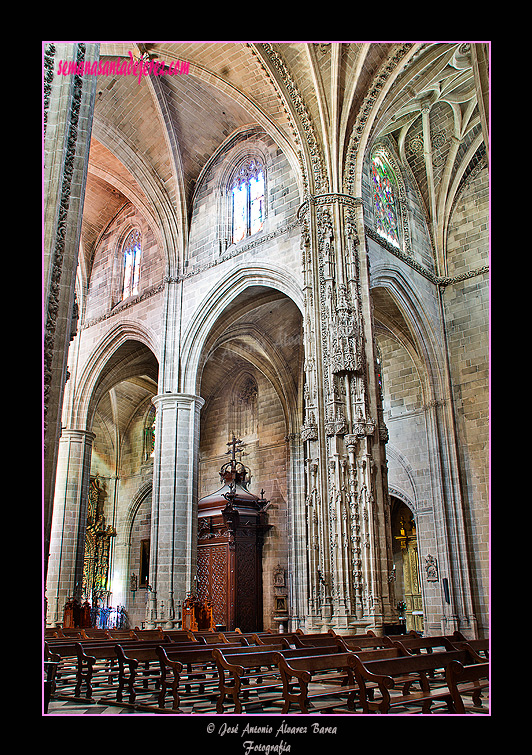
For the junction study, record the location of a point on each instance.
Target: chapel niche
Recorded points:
(406, 566)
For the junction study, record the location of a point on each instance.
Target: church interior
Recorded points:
(265, 344)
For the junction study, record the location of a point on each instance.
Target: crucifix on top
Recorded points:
(235, 446)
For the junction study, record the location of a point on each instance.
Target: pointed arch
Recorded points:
(85, 398)
(218, 299)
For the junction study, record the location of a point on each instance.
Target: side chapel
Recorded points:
(266, 335)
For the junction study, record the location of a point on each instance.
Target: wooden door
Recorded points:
(213, 579)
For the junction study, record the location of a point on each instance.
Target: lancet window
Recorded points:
(387, 213)
(149, 435)
(247, 200)
(131, 254)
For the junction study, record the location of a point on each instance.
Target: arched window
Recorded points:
(244, 406)
(131, 254)
(247, 200)
(385, 200)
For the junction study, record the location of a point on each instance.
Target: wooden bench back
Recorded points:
(109, 650)
(410, 663)
(364, 641)
(315, 662)
(478, 647)
(245, 660)
(142, 652)
(416, 644)
(202, 654)
(316, 641)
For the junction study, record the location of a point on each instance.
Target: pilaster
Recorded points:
(67, 543)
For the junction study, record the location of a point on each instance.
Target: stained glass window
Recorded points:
(384, 202)
(248, 201)
(149, 435)
(131, 258)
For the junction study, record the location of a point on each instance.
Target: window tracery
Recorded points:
(247, 200)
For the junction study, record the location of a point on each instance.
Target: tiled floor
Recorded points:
(202, 705)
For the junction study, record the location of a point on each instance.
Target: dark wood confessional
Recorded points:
(232, 523)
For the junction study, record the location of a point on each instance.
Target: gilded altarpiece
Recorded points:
(413, 603)
(97, 546)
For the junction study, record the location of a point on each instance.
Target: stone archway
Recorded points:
(250, 385)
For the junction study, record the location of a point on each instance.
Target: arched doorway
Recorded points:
(406, 566)
(122, 416)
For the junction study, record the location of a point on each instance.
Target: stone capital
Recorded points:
(180, 400)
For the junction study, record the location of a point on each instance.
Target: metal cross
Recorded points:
(234, 450)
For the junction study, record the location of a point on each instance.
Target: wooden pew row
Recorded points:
(408, 671)
(191, 675)
(280, 640)
(382, 674)
(191, 665)
(245, 672)
(79, 662)
(300, 676)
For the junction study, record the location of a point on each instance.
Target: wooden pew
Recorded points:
(148, 634)
(467, 681)
(62, 652)
(191, 664)
(363, 642)
(191, 671)
(315, 640)
(78, 662)
(298, 672)
(74, 633)
(254, 670)
(137, 664)
(232, 637)
(194, 676)
(425, 644)
(480, 648)
(384, 673)
(434, 643)
(95, 634)
(121, 634)
(183, 635)
(109, 664)
(280, 641)
(50, 669)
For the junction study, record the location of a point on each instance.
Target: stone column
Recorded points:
(67, 543)
(174, 507)
(68, 113)
(348, 527)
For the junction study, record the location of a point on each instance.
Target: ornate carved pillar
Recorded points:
(174, 506)
(67, 543)
(348, 529)
(68, 111)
